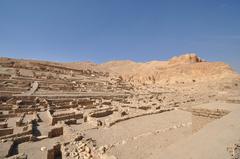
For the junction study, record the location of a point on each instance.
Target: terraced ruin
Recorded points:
(182, 108)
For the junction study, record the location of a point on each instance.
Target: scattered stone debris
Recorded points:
(85, 111)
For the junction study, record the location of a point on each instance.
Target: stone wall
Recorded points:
(216, 113)
(100, 114)
(22, 139)
(6, 107)
(55, 152)
(56, 131)
(6, 131)
(4, 116)
(111, 122)
(27, 132)
(66, 117)
(3, 124)
(237, 101)
(25, 110)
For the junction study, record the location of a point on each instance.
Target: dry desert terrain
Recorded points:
(184, 108)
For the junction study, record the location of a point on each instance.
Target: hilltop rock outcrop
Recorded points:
(187, 58)
(182, 69)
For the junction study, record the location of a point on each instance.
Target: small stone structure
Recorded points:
(55, 131)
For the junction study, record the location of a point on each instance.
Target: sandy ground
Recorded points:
(212, 141)
(199, 122)
(139, 137)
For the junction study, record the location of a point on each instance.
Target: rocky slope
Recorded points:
(182, 69)
(185, 68)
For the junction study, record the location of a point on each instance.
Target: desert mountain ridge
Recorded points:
(184, 68)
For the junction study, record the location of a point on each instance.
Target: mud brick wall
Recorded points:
(86, 102)
(3, 124)
(70, 121)
(216, 113)
(50, 154)
(54, 132)
(2, 119)
(27, 132)
(22, 139)
(6, 131)
(65, 117)
(8, 116)
(25, 110)
(237, 101)
(54, 152)
(63, 114)
(101, 113)
(114, 121)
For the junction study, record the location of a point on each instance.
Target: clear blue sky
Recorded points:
(102, 30)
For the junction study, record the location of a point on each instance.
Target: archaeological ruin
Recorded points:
(182, 108)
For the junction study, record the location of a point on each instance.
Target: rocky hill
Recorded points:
(180, 69)
(185, 68)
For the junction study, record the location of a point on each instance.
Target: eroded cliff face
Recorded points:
(185, 68)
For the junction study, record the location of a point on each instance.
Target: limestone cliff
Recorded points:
(185, 68)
